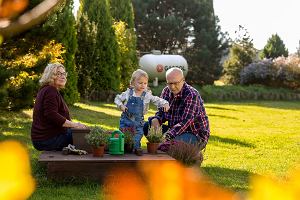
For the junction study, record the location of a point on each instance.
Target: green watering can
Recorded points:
(116, 143)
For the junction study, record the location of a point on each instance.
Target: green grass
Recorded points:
(246, 138)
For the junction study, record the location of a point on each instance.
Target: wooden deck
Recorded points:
(61, 166)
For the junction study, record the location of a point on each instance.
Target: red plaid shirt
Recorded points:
(186, 114)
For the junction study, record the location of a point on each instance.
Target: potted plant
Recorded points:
(128, 138)
(154, 137)
(97, 138)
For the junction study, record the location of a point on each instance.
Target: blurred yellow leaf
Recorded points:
(266, 188)
(16, 181)
(164, 180)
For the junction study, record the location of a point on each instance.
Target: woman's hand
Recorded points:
(79, 125)
(71, 124)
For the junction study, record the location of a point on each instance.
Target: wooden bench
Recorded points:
(61, 166)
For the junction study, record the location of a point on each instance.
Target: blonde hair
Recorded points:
(49, 73)
(137, 74)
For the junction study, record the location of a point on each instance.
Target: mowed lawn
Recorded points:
(250, 138)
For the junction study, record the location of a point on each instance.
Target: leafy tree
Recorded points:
(4, 75)
(274, 48)
(128, 59)
(122, 12)
(60, 26)
(25, 56)
(241, 54)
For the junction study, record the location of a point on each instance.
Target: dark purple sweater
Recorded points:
(49, 114)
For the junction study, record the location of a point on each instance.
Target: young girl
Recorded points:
(134, 103)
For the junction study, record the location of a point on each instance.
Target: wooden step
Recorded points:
(61, 166)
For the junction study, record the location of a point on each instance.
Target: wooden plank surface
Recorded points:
(57, 156)
(61, 166)
(87, 170)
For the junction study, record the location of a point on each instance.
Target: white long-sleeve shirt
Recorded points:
(121, 99)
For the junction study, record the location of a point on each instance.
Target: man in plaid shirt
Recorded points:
(187, 119)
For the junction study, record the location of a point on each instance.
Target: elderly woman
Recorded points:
(51, 126)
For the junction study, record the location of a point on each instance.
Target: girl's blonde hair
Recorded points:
(49, 73)
(137, 74)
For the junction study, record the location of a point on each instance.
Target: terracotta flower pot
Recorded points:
(98, 151)
(152, 147)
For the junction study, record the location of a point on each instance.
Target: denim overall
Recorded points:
(134, 117)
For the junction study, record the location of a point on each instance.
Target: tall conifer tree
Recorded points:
(104, 67)
(122, 12)
(274, 48)
(208, 47)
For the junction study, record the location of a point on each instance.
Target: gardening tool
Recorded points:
(116, 143)
(70, 149)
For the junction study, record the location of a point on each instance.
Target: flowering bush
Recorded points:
(259, 72)
(280, 72)
(289, 71)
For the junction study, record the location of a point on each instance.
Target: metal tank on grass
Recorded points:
(156, 65)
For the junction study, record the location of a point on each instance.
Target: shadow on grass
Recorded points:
(230, 141)
(222, 116)
(109, 105)
(293, 105)
(234, 179)
(220, 108)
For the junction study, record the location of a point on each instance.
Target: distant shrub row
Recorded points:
(242, 93)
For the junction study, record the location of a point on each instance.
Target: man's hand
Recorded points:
(167, 136)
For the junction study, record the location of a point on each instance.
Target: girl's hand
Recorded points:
(123, 108)
(166, 107)
(155, 123)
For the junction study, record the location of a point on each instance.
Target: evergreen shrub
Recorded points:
(246, 93)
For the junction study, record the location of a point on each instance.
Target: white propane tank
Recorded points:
(157, 65)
